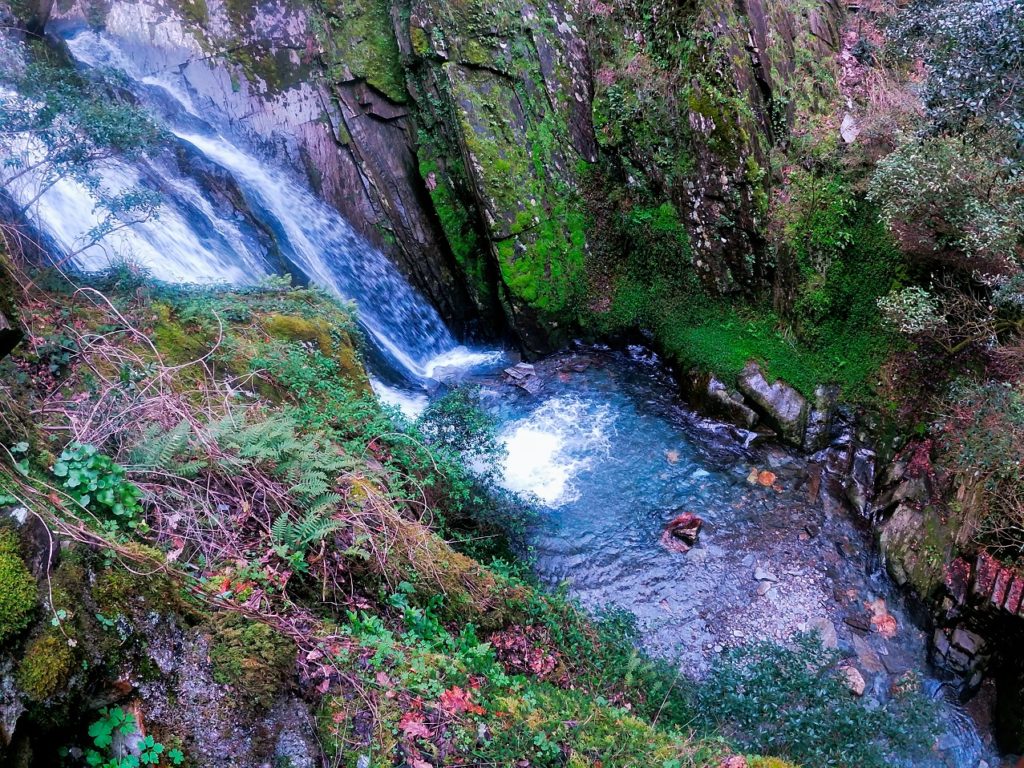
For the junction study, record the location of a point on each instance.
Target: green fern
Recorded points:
(169, 451)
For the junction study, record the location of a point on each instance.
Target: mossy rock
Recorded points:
(19, 593)
(251, 657)
(333, 342)
(46, 667)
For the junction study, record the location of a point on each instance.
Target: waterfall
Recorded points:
(193, 240)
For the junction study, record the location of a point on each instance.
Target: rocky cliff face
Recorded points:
(464, 139)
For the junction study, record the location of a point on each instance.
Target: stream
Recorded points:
(604, 448)
(610, 456)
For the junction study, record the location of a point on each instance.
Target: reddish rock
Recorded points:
(986, 569)
(958, 579)
(1001, 587)
(681, 532)
(1014, 594)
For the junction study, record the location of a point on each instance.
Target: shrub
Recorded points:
(18, 591)
(956, 200)
(790, 703)
(984, 436)
(974, 50)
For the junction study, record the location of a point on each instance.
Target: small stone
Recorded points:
(812, 529)
(766, 479)
(762, 574)
(763, 587)
(363, 761)
(854, 680)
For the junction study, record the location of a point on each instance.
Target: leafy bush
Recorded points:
(974, 50)
(63, 124)
(955, 200)
(791, 703)
(984, 436)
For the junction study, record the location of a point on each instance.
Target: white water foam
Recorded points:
(549, 448)
(411, 404)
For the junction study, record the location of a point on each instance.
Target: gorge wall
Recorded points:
(473, 142)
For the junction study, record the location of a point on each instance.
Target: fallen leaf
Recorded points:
(766, 478)
(412, 725)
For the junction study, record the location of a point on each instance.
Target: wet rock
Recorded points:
(681, 532)
(11, 705)
(729, 405)
(849, 130)
(783, 408)
(967, 641)
(524, 376)
(859, 622)
(958, 579)
(867, 656)
(861, 486)
(820, 418)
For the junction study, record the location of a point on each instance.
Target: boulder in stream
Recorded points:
(681, 533)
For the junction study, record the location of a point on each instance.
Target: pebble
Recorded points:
(762, 574)
(763, 587)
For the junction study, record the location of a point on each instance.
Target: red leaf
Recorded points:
(455, 701)
(412, 725)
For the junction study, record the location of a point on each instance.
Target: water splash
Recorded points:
(548, 449)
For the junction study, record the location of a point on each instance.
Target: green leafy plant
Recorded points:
(101, 487)
(109, 736)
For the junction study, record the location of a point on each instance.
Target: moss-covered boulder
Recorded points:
(19, 594)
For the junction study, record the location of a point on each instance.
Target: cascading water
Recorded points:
(193, 241)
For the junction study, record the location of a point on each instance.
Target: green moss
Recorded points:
(19, 593)
(420, 41)
(333, 342)
(117, 591)
(250, 656)
(359, 37)
(46, 667)
(196, 11)
(177, 343)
